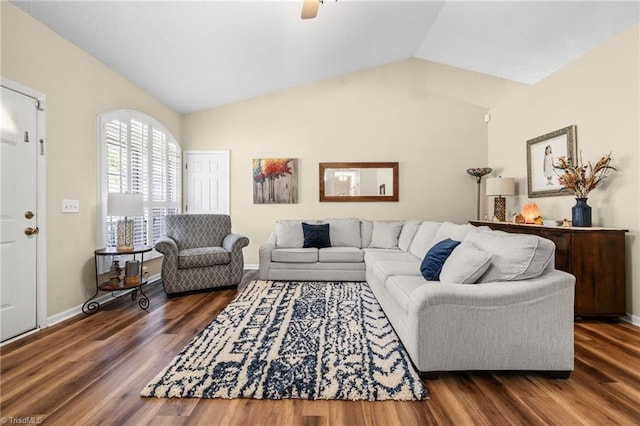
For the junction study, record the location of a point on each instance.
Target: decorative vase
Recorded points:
(581, 213)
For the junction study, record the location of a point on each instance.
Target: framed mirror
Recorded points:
(349, 182)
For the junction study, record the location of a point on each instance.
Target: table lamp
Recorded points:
(127, 206)
(498, 187)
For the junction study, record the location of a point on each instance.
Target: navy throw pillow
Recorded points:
(316, 235)
(434, 259)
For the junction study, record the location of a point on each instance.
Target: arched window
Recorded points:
(138, 155)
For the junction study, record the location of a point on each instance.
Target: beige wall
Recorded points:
(426, 116)
(398, 112)
(600, 93)
(77, 88)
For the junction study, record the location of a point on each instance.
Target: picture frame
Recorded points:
(543, 153)
(275, 180)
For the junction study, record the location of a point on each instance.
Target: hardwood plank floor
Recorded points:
(90, 370)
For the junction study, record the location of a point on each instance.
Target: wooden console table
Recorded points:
(596, 256)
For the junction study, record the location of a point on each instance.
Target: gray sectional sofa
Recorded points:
(497, 304)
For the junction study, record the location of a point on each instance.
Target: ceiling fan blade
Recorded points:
(310, 9)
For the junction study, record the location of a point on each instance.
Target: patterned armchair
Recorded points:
(200, 252)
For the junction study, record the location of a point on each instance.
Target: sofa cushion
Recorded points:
(423, 239)
(400, 288)
(452, 231)
(295, 255)
(513, 256)
(435, 258)
(465, 265)
(409, 230)
(203, 256)
(344, 232)
(385, 268)
(340, 254)
(289, 233)
(315, 235)
(385, 234)
(366, 232)
(375, 255)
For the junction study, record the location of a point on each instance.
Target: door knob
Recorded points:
(28, 214)
(31, 231)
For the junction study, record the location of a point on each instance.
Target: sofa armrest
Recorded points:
(235, 242)
(491, 294)
(265, 255)
(167, 246)
(453, 327)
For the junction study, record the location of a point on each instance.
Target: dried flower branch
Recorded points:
(581, 178)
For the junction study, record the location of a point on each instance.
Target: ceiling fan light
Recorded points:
(310, 9)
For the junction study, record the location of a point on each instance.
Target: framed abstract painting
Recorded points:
(275, 180)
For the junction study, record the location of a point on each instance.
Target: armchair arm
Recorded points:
(167, 246)
(235, 242)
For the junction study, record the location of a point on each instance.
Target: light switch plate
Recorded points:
(70, 206)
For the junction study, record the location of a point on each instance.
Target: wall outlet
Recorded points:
(70, 206)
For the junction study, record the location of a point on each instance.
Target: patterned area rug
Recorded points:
(294, 340)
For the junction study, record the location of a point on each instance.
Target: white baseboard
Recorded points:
(635, 320)
(13, 339)
(69, 313)
(252, 266)
(76, 310)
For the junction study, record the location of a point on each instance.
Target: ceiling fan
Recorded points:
(310, 8)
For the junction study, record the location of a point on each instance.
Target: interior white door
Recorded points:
(206, 177)
(18, 213)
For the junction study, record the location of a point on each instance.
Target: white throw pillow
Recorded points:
(385, 234)
(465, 265)
(289, 233)
(513, 256)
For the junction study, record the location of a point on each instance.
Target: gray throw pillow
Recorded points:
(289, 233)
(465, 265)
(423, 240)
(366, 231)
(513, 256)
(409, 229)
(385, 234)
(344, 232)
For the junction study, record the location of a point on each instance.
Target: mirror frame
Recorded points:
(359, 198)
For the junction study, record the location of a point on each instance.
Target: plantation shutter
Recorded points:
(138, 153)
(141, 157)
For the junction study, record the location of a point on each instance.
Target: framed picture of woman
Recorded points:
(542, 156)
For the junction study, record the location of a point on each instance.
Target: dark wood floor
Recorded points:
(90, 370)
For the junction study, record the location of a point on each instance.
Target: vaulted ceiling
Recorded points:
(194, 55)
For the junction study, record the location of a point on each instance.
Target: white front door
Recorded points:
(18, 213)
(206, 182)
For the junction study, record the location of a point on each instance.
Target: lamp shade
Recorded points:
(123, 204)
(501, 186)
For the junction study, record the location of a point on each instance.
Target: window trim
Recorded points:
(101, 211)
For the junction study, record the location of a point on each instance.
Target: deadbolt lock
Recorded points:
(31, 231)
(28, 214)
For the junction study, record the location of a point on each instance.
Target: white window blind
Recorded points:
(138, 155)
